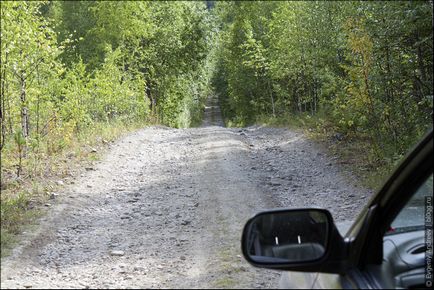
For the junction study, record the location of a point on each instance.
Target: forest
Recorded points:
(73, 69)
(67, 66)
(361, 68)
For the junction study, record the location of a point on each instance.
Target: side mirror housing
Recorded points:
(305, 240)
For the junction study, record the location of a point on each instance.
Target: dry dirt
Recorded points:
(164, 208)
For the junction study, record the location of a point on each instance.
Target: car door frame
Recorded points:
(366, 234)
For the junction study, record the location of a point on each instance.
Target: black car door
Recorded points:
(391, 248)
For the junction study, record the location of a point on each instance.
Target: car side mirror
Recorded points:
(297, 239)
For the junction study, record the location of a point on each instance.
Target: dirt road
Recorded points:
(165, 207)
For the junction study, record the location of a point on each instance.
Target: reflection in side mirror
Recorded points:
(290, 236)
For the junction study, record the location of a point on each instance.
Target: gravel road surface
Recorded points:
(164, 208)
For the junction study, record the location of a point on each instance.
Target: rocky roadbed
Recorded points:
(165, 209)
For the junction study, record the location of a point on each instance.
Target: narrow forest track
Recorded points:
(165, 209)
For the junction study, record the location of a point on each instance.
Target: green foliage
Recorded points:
(69, 65)
(366, 66)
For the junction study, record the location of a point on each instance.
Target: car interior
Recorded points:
(404, 246)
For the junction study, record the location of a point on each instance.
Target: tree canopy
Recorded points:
(366, 66)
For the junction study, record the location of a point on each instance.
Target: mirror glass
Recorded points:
(290, 236)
